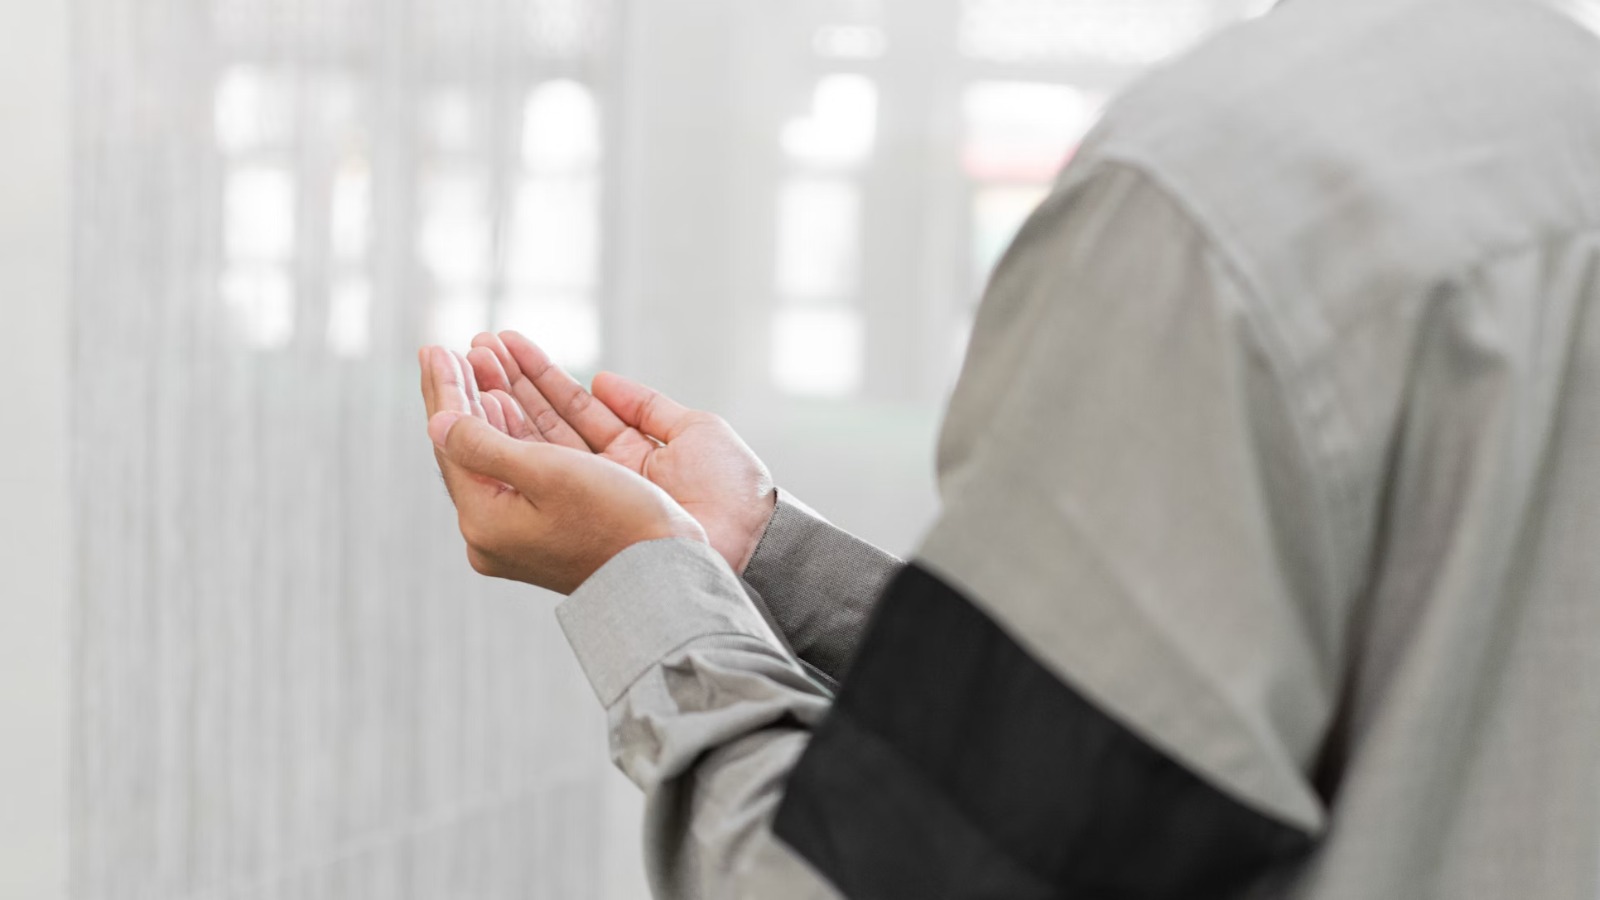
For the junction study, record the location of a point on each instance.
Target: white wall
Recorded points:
(35, 587)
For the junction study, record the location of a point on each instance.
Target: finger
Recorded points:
(462, 486)
(478, 448)
(542, 417)
(449, 394)
(490, 341)
(644, 408)
(487, 369)
(426, 369)
(517, 424)
(469, 384)
(597, 425)
(452, 392)
(546, 422)
(493, 412)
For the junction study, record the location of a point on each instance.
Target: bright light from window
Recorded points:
(819, 239)
(260, 300)
(455, 228)
(1024, 131)
(817, 351)
(841, 125)
(1127, 32)
(457, 319)
(555, 233)
(560, 127)
(350, 318)
(259, 214)
(352, 210)
(568, 328)
(252, 109)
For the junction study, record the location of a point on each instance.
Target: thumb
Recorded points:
(482, 449)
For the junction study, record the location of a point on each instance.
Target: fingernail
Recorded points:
(439, 427)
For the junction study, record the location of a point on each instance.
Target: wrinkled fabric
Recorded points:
(820, 584)
(1276, 441)
(995, 778)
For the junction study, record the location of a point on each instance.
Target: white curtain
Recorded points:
(287, 682)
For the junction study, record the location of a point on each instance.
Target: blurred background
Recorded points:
(280, 678)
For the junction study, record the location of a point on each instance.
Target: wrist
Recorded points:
(761, 517)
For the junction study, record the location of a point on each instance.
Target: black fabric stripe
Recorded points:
(955, 765)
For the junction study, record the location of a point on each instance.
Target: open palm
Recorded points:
(694, 456)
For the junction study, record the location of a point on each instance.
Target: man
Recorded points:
(1265, 566)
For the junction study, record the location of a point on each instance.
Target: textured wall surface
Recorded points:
(287, 681)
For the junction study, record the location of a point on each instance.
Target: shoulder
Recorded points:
(1335, 140)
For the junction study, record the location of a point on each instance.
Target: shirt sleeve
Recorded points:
(707, 714)
(1110, 669)
(1103, 675)
(819, 582)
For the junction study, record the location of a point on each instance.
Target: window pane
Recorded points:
(260, 301)
(819, 239)
(253, 109)
(259, 214)
(817, 350)
(567, 327)
(555, 234)
(1023, 131)
(1129, 32)
(349, 317)
(455, 227)
(561, 128)
(351, 214)
(839, 128)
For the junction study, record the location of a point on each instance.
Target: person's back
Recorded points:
(1262, 568)
(1410, 192)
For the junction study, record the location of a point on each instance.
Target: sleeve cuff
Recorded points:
(790, 527)
(647, 601)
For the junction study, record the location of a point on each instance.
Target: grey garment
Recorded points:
(708, 706)
(1277, 438)
(707, 712)
(819, 582)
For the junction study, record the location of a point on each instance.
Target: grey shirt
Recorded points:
(1276, 443)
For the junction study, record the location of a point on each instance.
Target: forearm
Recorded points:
(707, 715)
(819, 583)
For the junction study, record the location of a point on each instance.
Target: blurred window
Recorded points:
(296, 205)
(1018, 132)
(988, 100)
(1127, 32)
(818, 326)
(1016, 137)
(254, 122)
(552, 253)
(495, 198)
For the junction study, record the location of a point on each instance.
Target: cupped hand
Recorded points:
(693, 455)
(531, 510)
